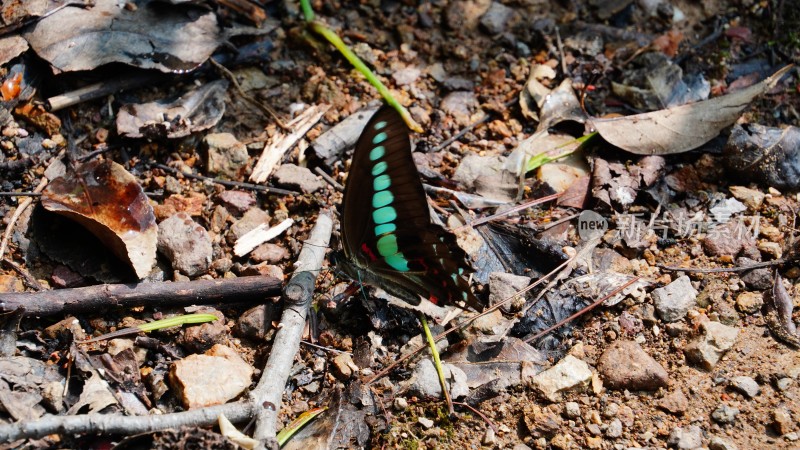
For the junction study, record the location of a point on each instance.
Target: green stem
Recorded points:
(308, 13)
(554, 154)
(337, 42)
(437, 363)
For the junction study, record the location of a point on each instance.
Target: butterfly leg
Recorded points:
(438, 364)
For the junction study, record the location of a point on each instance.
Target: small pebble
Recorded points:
(746, 386)
(725, 414)
(614, 429)
(783, 384)
(572, 410)
(400, 403)
(48, 144)
(425, 422)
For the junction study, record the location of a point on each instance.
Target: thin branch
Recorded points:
(234, 184)
(776, 262)
(105, 296)
(297, 296)
(121, 424)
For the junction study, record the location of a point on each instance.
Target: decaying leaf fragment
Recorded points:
(109, 202)
(196, 110)
(683, 128)
(765, 154)
(778, 306)
(150, 36)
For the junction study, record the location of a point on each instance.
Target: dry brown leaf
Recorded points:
(109, 202)
(683, 128)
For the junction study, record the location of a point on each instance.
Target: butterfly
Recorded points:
(388, 239)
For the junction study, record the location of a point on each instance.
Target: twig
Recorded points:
(17, 214)
(235, 184)
(328, 179)
(105, 296)
(517, 208)
(462, 132)
(20, 194)
(100, 89)
(482, 415)
(121, 424)
(297, 296)
(776, 262)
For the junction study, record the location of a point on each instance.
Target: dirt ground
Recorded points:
(457, 48)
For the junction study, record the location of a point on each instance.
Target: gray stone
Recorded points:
(707, 349)
(425, 380)
(725, 414)
(425, 422)
(496, 18)
(400, 403)
(746, 386)
(503, 286)
(186, 244)
(569, 374)
(625, 365)
(674, 300)
(784, 384)
(225, 155)
(686, 438)
(299, 178)
(717, 443)
(572, 410)
(782, 421)
(406, 76)
(614, 429)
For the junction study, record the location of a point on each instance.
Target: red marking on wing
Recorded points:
(368, 251)
(433, 299)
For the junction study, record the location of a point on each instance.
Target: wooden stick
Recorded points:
(105, 296)
(101, 89)
(297, 297)
(120, 424)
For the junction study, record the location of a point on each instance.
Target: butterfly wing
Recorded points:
(386, 227)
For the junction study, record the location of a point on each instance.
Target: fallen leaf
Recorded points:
(765, 154)
(150, 36)
(108, 201)
(196, 110)
(683, 128)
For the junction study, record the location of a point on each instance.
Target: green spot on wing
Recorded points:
(380, 125)
(379, 168)
(381, 182)
(397, 262)
(380, 137)
(377, 153)
(385, 228)
(384, 215)
(381, 199)
(387, 245)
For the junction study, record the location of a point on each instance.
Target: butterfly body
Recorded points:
(388, 238)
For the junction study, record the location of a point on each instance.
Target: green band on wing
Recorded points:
(381, 199)
(379, 168)
(380, 137)
(381, 182)
(380, 125)
(377, 153)
(387, 245)
(397, 262)
(385, 228)
(384, 215)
